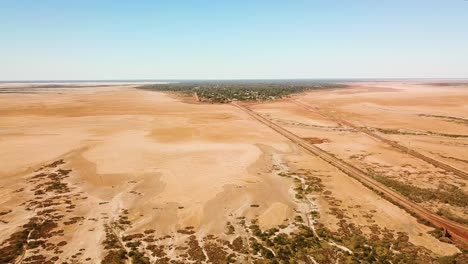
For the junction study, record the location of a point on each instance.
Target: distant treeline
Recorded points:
(227, 91)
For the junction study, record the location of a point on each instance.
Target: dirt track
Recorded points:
(392, 143)
(458, 232)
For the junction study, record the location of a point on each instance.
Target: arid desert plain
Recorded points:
(94, 173)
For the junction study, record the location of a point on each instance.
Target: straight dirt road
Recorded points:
(458, 232)
(392, 143)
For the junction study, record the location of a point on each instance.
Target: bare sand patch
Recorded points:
(170, 164)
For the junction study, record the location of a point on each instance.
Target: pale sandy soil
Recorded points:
(364, 207)
(388, 105)
(177, 165)
(172, 164)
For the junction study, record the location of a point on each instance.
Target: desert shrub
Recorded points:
(444, 194)
(115, 257)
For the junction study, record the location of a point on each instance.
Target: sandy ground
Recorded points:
(422, 116)
(173, 164)
(409, 107)
(181, 166)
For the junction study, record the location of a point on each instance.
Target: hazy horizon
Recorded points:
(265, 79)
(211, 40)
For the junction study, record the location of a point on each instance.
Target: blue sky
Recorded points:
(60, 40)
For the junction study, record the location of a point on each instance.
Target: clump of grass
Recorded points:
(138, 257)
(111, 241)
(230, 228)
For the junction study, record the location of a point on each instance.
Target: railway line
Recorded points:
(458, 232)
(392, 143)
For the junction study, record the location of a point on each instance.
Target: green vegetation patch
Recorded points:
(227, 91)
(445, 193)
(347, 245)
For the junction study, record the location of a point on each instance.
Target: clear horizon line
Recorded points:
(228, 79)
